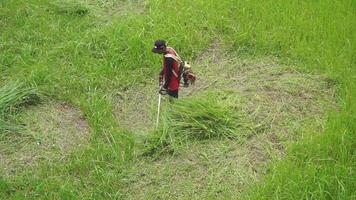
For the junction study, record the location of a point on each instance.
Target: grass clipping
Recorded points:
(210, 116)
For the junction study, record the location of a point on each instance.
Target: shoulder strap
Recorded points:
(175, 57)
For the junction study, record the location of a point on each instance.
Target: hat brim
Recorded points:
(155, 50)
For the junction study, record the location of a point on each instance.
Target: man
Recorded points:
(169, 78)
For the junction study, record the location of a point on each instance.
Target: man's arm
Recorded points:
(161, 78)
(169, 74)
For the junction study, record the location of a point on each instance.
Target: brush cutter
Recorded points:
(159, 107)
(160, 93)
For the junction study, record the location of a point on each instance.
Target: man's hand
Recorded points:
(163, 90)
(160, 80)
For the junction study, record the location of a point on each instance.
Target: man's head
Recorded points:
(159, 47)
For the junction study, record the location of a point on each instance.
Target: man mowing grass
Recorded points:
(169, 77)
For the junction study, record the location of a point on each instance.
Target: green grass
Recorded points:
(203, 117)
(76, 52)
(319, 36)
(13, 96)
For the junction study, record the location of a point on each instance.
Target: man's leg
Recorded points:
(173, 94)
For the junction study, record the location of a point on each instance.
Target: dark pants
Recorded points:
(173, 93)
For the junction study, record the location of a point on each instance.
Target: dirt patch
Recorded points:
(50, 132)
(137, 7)
(204, 171)
(107, 10)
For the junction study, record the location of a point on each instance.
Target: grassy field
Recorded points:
(73, 72)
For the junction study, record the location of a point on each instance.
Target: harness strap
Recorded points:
(176, 58)
(174, 73)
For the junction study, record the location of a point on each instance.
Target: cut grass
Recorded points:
(49, 133)
(200, 118)
(205, 169)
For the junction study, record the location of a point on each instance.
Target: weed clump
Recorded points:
(204, 117)
(12, 97)
(70, 8)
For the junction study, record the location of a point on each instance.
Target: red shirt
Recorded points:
(170, 71)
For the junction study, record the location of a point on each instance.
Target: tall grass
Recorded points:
(78, 57)
(12, 96)
(318, 36)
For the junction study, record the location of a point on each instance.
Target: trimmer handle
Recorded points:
(163, 91)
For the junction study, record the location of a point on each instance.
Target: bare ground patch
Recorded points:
(107, 10)
(129, 7)
(50, 132)
(207, 170)
(281, 101)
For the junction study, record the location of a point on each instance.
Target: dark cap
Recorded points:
(159, 44)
